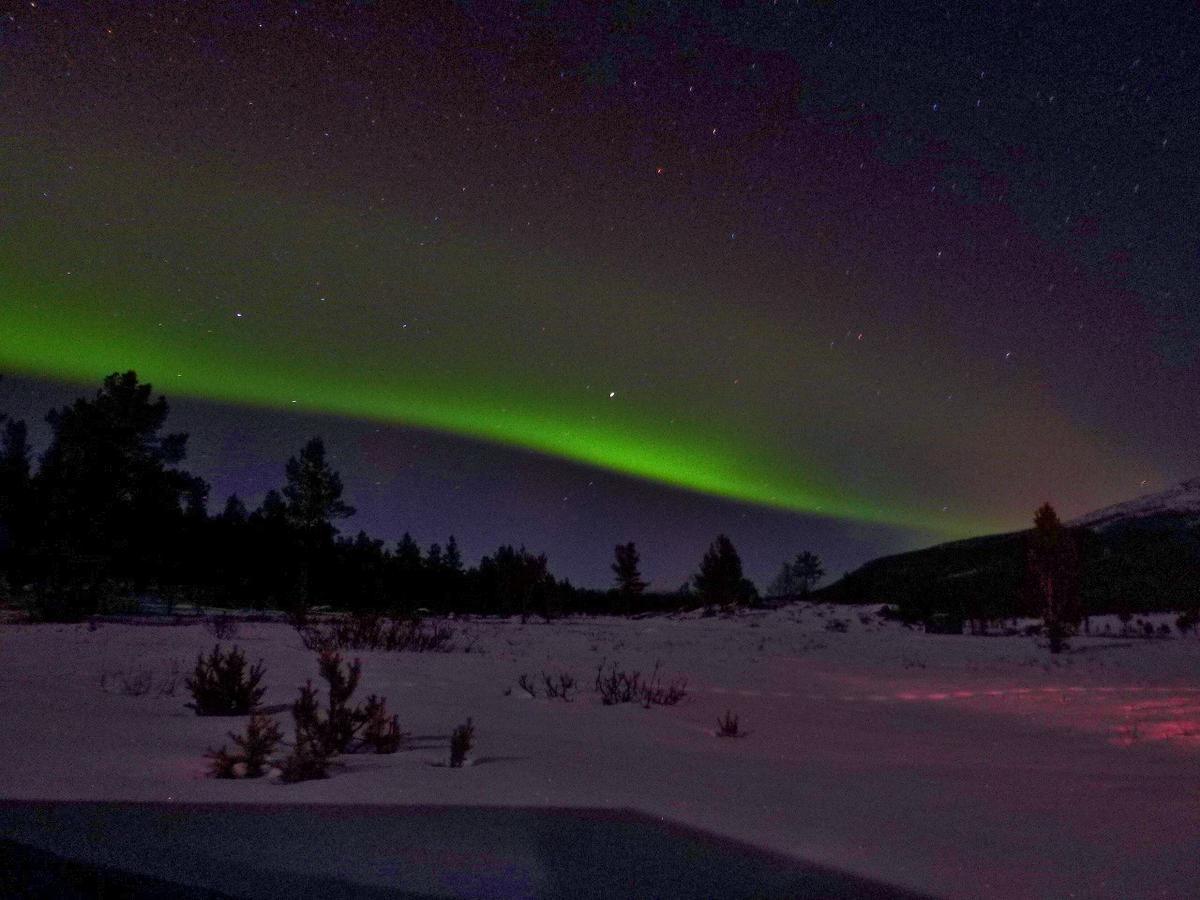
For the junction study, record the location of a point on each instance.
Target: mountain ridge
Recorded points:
(1141, 555)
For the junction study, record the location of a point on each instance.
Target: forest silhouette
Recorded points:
(109, 518)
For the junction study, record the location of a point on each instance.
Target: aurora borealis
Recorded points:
(696, 246)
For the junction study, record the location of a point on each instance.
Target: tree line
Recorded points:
(109, 515)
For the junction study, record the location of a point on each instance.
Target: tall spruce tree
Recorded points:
(720, 581)
(15, 494)
(452, 558)
(111, 499)
(1054, 565)
(630, 585)
(313, 492)
(312, 501)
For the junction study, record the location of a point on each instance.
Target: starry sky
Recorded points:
(565, 274)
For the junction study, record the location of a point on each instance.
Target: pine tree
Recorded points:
(808, 571)
(111, 499)
(451, 558)
(313, 499)
(273, 507)
(433, 558)
(235, 510)
(448, 585)
(1054, 563)
(720, 581)
(629, 580)
(408, 556)
(16, 510)
(314, 490)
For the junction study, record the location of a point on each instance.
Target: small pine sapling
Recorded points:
(382, 732)
(306, 762)
(223, 763)
(342, 728)
(257, 744)
(254, 750)
(221, 686)
(306, 717)
(461, 742)
(308, 759)
(342, 722)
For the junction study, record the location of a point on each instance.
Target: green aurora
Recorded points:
(172, 279)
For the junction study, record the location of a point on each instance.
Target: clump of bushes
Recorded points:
(728, 726)
(221, 685)
(368, 631)
(461, 742)
(619, 686)
(253, 753)
(319, 733)
(560, 687)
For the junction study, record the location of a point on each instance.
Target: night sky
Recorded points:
(816, 275)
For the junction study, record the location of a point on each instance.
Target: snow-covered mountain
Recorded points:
(1146, 549)
(1183, 499)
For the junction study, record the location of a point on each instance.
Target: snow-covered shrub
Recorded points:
(619, 686)
(254, 749)
(728, 726)
(137, 681)
(461, 742)
(222, 627)
(525, 683)
(369, 631)
(170, 680)
(559, 687)
(129, 682)
(221, 686)
(616, 687)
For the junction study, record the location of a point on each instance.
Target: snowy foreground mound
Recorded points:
(957, 766)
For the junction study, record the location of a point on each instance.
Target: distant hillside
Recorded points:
(1183, 500)
(1139, 556)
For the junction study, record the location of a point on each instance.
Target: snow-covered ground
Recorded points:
(960, 766)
